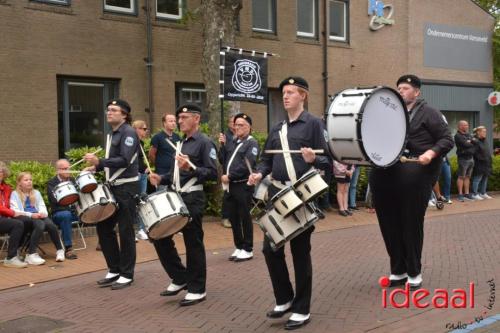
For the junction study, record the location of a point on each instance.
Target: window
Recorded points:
(56, 2)
(338, 19)
(306, 18)
(121, 6)
(170, 9)
(192, 93)
(264, 15)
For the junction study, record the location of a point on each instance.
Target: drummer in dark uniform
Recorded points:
(238, 159)
(121, 168)
(401, 192)
(304, 132)
(200, 151)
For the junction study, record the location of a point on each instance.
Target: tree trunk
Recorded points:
(219, 22)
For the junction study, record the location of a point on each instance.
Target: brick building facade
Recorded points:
(61, 60)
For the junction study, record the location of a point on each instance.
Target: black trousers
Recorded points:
(36, 227)
(225, 206)
(120, 258)
(194, 274)
(300, 247)
(14, 228)
(400, 195)
(239, 204)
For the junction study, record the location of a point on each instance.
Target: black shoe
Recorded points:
(186, 302)
(294, 324)
(415, 286)
(343, 213)
(172, 293)
(353, 208)
(320, 214)
(395, 283)
(118, 286)
(348, 212)
(107, 282)
(277, 314)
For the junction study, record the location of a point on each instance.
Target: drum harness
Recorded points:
(189, 185)
(113, 181)
(225, 187)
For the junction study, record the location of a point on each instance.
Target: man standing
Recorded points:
(305, 132)
(465, 156)
(196, 150)
(401, 192)
(161, 153)
(63, 216)
(240, 156)
(122, 173)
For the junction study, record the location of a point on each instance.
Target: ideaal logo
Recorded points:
(440, 299)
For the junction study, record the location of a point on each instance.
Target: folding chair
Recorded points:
(79, 228)
(5, 243)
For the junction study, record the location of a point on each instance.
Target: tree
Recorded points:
(493, 7)
(219, 22)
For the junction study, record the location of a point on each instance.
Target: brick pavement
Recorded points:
(459, 248)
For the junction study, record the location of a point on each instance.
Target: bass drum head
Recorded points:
(384, 127)
(98, 213)
(168, 226)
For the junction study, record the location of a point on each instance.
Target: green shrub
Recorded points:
(41, 173)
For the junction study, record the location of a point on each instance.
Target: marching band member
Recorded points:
(121, 165)
(303, 131)
(198, 149)
(237, 159)
(401, 192)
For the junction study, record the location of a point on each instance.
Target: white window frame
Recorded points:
(191, 91)
(272, 15)
(170, 16)
(337, 38)
(314, 15)
(117, 9)
(54, 2)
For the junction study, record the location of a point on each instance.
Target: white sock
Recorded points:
(415, 280)
(398, 277)
(283, 307)
(123, 280)
(299, 317)
(111, 275)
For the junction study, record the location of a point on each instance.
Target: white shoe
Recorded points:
(234, 254)
(136, 239)
(477, 197)
(141, 234)
(485, 196)
(34, 259)
(60, 255)
(431, 203)
(172, 287)
(194, 297)
(244, 255)
(14, 262)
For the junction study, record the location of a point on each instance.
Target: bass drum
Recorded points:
(367, 126)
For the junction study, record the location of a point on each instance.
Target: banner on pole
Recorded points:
(245, 78)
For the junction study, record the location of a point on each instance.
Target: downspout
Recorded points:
(149, 63)
(325, 55)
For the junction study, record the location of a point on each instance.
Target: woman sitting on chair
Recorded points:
(29, 203)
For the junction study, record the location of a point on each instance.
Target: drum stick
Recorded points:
(147, 162)
(247, 162)
(175, 148)
(83, 159)
(404, 159)
(280, 151)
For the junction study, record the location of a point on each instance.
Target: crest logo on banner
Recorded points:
(245, 78)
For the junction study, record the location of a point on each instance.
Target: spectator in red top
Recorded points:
(8, 223)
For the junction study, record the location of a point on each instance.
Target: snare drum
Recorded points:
(96, 206)
(86, 182)
(310, 185)
(280, 230)
(163, 214)
(65, 193)
(286, 201)
(367, 126)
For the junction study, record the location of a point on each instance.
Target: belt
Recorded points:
(192, 189)
(239, 181)
(280, 184)
(122, 181)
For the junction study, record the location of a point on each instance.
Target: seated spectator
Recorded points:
(9, 224)
(63, 216)
(29, 202)
(343, 173)
(482, 165)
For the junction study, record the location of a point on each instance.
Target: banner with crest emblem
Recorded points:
(245, 78)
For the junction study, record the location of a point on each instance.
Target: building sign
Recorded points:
(494, 98)
(245, 78)
(376, 9)
(456, 47)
